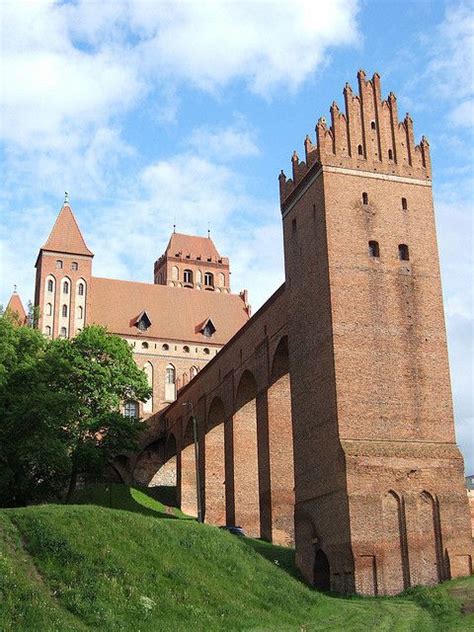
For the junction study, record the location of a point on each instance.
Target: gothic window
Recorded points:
(390, 154)
(359, 150)
(80, 312)
(59, 264)
(170, 374)
(50, 285)
(48, 330)
(49, 309)
(130, 409)
(404, 204)
(374, 250)
(165, 347)
(64, 310)
(63, 332)
(188, 276)
(403, 253)
(209, 279)
(365, 198)
(74, 265)
(186, 349)
(66, 287)
(80, 289)
(193, 372)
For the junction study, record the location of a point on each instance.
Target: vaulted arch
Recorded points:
(214, 483)
(188, 470)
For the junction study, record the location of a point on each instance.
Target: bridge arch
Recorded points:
(214, 459)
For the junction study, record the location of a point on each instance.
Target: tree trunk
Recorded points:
(72, 485)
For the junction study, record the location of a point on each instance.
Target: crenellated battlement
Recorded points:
(368, 136)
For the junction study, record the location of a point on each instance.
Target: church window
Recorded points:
(74, 265)
(206, 351)
(359, 150)
(165, 347)
(186, 349)
(374, 250)
(404, 204)
(63, 332)
(49, 309)
(209, 279)
(144, 345)
(59, 264)
(48, 330)
(80, 289)
(50, 285)
(188, 276)
(365, 198)
(170, 374)
(80, 312)
(130, 409)
(64, 310)
(66, 287)
(390, 154)
(403, 253)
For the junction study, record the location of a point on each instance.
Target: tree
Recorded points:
(60, 407)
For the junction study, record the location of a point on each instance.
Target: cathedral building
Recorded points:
(174, 325)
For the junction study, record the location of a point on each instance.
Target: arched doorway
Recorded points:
(321, 571)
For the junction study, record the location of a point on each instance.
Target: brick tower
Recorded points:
(63, 278)
(380, 500)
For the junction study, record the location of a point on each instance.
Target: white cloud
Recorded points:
(463, 114)
(225, 142)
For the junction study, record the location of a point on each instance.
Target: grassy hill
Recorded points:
(85, 567)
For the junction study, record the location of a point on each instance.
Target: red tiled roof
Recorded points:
(190, 245)
(174, 313)
(66, 235)
(16, 306)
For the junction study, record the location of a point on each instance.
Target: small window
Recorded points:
(293, 225)
(403, 253)
(188, 276)
(144, 345)
(63, 332)
(404, 204)
(186, 349)
(374, 249)
(80, 312)
(193, 372)
(206, 351)
(74, 265)
(130, 409)
(359, 150)
(209, 279)
(64, 310)
(59, 264)
(165, 347)
(80, 289)
(50, 285)
(66, 287)
(49, 309)
(390, 154)
(365, 198)
(170, 374)
(48, 330)
(372, 125)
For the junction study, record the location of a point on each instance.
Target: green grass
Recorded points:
(86, 567)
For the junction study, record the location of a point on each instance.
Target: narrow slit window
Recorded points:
(64, 310)
(404, 204)
(81, 289)
(360, 150)
(66, 287)
(403, 253)
(372, 125)
(374, 250)
(365, 198)
(390, 154)
(50, 286)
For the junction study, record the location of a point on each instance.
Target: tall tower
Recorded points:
(380, 500)
(63, 277)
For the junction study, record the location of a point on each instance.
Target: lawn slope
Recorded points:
(94, 568)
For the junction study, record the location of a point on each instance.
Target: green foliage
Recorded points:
(77, 568)
(60, 409)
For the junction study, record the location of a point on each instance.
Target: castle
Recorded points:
(326, 418)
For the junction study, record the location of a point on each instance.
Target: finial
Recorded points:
(174, 228)
(14, 289)
(66, 197)
(208, 230)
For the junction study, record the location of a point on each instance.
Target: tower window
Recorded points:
(63, 332)
(80, 312)
(404, 204)
(66, 287)
(50, 285)
(64, 310)
(390, 154)
(188, 276)
(403, 253)
(209, 279)
(49, 309)
(130, 409)
(74, 265)
(372, 125)
(365, 198)
(59, 264)
(374, 250)
(359, 150)
(48, 330)
(80, 289)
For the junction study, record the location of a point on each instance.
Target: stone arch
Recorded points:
(280, 445)
(214, 464)
(429, 534)
(188, 471)
(245, 456)
(395, 563)
(147, 469)
(321, 571)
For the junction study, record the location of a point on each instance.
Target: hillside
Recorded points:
(85, 567)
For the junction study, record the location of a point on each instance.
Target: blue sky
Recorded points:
(151, 112)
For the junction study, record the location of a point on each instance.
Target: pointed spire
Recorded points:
(66, 235)
(15, 306)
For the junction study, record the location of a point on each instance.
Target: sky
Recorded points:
(155, 113)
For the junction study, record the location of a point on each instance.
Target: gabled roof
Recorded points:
(15, 306)
(66, 235)
(142, 317)
(207, 324)
(203, 247)
(174, 313)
